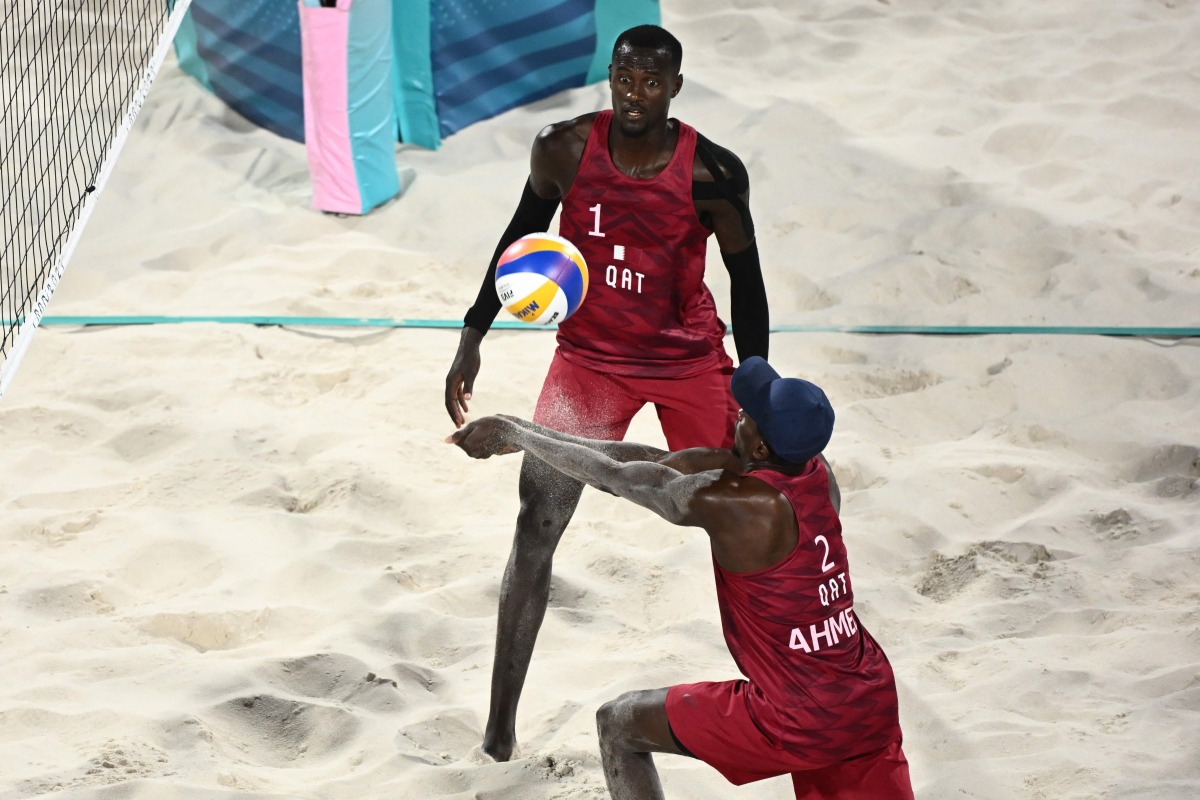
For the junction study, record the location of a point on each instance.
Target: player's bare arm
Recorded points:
(619, 450)
(750, 525)
(494, 435)
(655, 486)
(699, 459)
(487, 437)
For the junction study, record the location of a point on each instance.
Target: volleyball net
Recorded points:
(73, 77)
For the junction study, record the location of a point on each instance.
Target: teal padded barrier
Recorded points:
(613, 17)
(349, 116)
(250, 58)
(412, 74)
(493, 55)
(186, 51)
(456, 62)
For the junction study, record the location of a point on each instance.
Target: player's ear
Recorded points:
(761, 451)
(678, 84)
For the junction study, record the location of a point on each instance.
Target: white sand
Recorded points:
(213, 535)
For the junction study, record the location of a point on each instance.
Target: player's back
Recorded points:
(793, 632)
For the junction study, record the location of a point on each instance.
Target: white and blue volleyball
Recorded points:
(541, 279)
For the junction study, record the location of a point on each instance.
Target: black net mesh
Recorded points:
(73, 74)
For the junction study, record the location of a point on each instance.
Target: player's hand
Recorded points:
(460, 381)
(483, 438)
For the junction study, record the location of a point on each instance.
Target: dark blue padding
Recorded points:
(252, 51)
(492, 55)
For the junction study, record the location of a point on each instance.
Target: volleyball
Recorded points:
(541, 279)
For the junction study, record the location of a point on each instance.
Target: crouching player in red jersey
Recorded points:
(819, 703)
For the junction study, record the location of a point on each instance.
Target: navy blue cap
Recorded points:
(793, 415)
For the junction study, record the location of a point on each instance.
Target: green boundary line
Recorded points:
(384, 322)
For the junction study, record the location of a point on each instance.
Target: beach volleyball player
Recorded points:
(641, 193)
(818, 702)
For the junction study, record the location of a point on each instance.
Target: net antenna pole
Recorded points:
(20, 310)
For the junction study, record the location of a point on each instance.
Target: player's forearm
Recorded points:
(749, 314)
(643, 482)
(618, 451)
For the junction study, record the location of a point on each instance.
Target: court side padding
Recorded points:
(455, 62)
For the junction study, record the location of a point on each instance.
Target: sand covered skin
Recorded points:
(241, 561)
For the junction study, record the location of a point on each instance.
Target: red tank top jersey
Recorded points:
(824, 683)
(647, 311)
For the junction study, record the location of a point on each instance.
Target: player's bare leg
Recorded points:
(631, 728)
(548, 499)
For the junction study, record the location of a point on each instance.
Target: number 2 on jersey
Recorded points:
(828, 591)
(826, 564)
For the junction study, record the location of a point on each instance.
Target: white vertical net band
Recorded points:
(73, 76)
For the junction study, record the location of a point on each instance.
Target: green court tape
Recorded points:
(386, 322)
(984, 330)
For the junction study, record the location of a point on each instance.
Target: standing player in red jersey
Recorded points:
(641, 193)
(820, 700)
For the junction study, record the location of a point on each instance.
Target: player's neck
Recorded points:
(784, 468)
(644, 155)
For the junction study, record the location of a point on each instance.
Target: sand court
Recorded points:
(240, 560)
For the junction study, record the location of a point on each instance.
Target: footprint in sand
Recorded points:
(439, 739)
(304, 496)
(69, 601)
(947, 576)
(419, 636)
(170, 567)
(56, 534)
(181, 259)
(112, 763)
(889, 383)
(288, 388)
(1158, 110)
(205, 631)
(343, 679)
(1116, 524)
(1173, 469)
(277, 732)
(120, 401)
(144, 441)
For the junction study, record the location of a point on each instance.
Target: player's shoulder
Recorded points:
(700, 459)
(565, 132)
(714, 163)
(556, 152)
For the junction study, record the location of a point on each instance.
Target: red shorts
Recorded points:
(694, 412)
(711, 721)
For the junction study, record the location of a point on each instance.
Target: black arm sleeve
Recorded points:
(719, 161)
(533, 215)
(749, 316)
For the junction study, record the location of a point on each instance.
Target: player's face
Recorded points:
(642, 81)
(745, 435)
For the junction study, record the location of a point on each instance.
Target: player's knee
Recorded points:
(540, 524)
(613, 721)
(606, 722)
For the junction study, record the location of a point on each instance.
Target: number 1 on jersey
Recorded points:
(595, 231)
